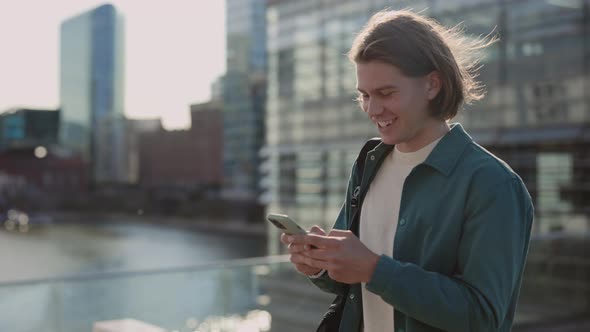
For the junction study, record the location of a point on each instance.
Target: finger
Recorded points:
(319, 241)
(340, 232)
(306, 269)
(297, 239)
(296, 248)
(322, 241)
(285, 238)
(320, 254)
(317, 230)
(314, 263)
(298, 259)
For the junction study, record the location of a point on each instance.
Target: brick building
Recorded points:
(184, 158)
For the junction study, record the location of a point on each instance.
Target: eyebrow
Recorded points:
(383, 87)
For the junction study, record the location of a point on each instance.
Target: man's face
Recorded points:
(397, 104)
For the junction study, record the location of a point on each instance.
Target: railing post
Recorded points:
(56, 303)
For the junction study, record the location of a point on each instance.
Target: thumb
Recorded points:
(340, 232)
(317, 230)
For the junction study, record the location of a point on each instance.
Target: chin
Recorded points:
(390, 140)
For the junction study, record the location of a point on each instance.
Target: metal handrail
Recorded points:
(225, 264)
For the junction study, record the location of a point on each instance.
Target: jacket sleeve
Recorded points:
(324, 282)
(492, 253)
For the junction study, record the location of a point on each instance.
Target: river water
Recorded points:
(67, 249)
(164, 299)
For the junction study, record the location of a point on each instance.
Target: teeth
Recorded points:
(384, 123)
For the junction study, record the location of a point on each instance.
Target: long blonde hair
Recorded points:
(418, 45)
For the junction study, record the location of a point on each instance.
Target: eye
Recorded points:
(361, 99)
(385, 93)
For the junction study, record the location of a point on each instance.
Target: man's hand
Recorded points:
(297, 250)
(341, 253)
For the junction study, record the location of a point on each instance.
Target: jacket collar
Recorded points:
(445, 155)
(448, 151)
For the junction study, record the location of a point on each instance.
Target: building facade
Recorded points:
(190, 159)
(135, 128)
(207, 137)
(535, 116)
(53, 173)
(21, 127)
(244, 95)
(92, 91)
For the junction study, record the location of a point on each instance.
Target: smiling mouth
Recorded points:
(384, 124)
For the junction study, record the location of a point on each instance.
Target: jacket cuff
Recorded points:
(317, 275)
(381, 278)
(325, 283)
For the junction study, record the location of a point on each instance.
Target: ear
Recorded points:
(433, 84)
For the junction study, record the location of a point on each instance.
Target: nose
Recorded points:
(374, 107)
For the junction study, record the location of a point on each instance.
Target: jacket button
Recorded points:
(351, 296)
(372, 158)
(402, 221)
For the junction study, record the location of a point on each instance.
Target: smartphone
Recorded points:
(285, 224)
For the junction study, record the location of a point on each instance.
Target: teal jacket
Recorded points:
(460, 247)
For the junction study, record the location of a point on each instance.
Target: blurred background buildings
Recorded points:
(92, 92)
(244, 97)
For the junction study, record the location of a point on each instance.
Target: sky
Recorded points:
(175, 49)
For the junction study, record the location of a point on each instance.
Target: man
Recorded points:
(444, 225)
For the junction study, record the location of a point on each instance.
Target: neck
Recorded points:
(427, 135)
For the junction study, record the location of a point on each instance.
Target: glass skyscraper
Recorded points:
(535, 115)
(92, 91)
(244, 96)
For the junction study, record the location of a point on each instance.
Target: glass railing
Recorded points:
(242, 295)
(261, 294)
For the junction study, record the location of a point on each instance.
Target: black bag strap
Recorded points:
(355, 204)
(332, 318)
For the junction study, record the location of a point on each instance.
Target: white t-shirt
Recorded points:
(379, 216)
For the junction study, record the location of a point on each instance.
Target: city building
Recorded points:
(217, 90)
(536, 115)
(23, 127)
(29, 152)
(189, 159)
(207, 137)
(244, 95)
(92, 91)
(135, 128)
(45, 169)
